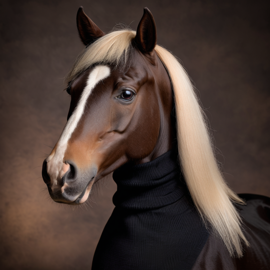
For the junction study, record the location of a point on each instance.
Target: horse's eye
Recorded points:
(68, 89)
(127, 95)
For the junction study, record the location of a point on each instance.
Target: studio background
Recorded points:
(224, 46)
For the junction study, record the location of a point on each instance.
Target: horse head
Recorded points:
(119, 112)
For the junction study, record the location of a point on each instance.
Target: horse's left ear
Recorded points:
(88, 30)
(146, 37)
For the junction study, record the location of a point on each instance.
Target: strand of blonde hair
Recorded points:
(211, 195)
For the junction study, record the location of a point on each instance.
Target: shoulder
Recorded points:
(256, 227)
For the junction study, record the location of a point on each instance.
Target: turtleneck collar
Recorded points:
(149, 185)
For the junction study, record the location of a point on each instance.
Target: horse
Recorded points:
(134, 113)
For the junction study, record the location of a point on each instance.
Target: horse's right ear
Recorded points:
(88, 30)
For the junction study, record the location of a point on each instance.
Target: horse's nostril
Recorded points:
(71, 174)
(45, 175)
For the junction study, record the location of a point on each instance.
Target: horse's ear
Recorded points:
(88, 30)
(146, 37)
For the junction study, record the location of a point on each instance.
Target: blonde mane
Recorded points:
(211, 195)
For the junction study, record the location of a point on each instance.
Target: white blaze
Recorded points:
(55, 160)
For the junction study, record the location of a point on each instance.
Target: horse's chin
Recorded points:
(85, 194)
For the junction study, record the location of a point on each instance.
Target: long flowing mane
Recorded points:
(211, 195)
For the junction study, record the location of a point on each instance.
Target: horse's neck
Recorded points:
(167, 135)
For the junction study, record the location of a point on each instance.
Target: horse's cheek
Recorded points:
(144, 131)
(121, 118)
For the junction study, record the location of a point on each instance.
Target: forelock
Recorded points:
(112, 48)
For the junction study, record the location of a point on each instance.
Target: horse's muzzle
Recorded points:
(71, 187)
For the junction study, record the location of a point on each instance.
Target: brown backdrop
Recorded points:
(224, 45)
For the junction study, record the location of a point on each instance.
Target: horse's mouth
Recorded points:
(59, 197)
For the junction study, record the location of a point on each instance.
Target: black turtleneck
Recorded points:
(154, 224)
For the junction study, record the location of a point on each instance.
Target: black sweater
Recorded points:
(154, 224)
